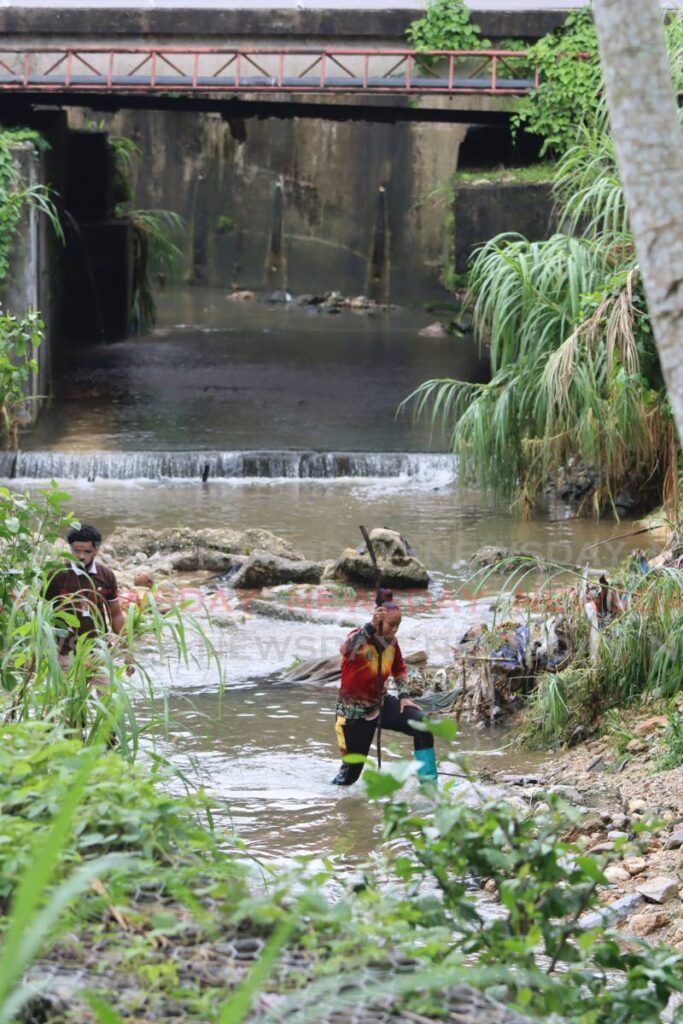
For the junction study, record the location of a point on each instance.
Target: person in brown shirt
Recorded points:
(87, 589)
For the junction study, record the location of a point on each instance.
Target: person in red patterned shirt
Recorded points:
(362, 701)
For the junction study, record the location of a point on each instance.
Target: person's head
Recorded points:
(385, 599)
(84, 543)
(143, 578)
(392, 621)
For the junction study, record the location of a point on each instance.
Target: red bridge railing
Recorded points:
(247, 69)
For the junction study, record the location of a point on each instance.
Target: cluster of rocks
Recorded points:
(335, 302)
(634, 816)
(575, 484)
(328, 302)
(256, 558)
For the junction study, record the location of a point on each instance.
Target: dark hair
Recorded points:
(385, 599)
(85, 533)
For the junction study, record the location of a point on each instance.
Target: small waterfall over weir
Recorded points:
(425, 468)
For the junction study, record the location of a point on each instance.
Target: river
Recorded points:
(312, 397)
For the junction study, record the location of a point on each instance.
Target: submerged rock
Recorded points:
(435, 330)
(274, 610)
(263, 569)
(311, 593)
(493, 556)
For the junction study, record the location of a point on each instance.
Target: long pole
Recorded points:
(379, 600)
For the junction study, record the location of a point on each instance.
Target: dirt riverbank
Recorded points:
(630, 809)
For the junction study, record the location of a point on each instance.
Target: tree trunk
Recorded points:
(647, 135)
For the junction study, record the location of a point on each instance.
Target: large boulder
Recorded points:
(182, 545)
(397, 563)
(263, 569)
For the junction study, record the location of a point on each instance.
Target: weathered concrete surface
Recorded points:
(296, 30)
(330, 176)
(27, 288)
(485, 209)
(194, 21)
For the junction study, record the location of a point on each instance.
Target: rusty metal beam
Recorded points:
(69, 70)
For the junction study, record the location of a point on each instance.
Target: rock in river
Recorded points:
(188, 549)
(399, 566)
(263, 569)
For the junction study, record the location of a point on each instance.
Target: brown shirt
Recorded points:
(86, 593)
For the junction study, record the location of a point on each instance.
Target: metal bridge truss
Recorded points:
(167, 70)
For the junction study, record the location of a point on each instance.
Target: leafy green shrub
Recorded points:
(569, 86)
(123, 809)
(38, 905)
(157, 255)
(540, 953)
(15, 195)
(126, 153)
(20, 334)
(19, 338)
(446, 25)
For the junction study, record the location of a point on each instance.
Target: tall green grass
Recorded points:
(638, 657)
(33, 684)
(37, 906)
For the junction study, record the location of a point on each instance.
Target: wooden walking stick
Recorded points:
(379, 601)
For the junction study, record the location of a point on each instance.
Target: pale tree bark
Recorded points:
(649, 145)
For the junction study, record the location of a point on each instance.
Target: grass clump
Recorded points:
(531, 174)
(635, 657)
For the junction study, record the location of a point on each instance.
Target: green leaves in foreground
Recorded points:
(544, 885)
(123, 809)
(37, 909)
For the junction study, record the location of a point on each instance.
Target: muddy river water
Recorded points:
(223, 377)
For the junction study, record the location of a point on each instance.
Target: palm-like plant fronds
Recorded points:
(575, 371)
(155, 254)
(588, 190)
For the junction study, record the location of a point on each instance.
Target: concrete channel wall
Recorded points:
(313, 206)
(29, 286)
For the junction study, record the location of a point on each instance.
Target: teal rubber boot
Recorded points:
(427, 761)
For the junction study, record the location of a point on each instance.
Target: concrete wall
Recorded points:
(486, 208)
(281, 26)
(329, 176)
(29, 283)
(297, 204)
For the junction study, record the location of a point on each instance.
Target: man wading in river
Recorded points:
(362, 704)
(88, 590)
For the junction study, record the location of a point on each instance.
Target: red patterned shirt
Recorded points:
(359, 693)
